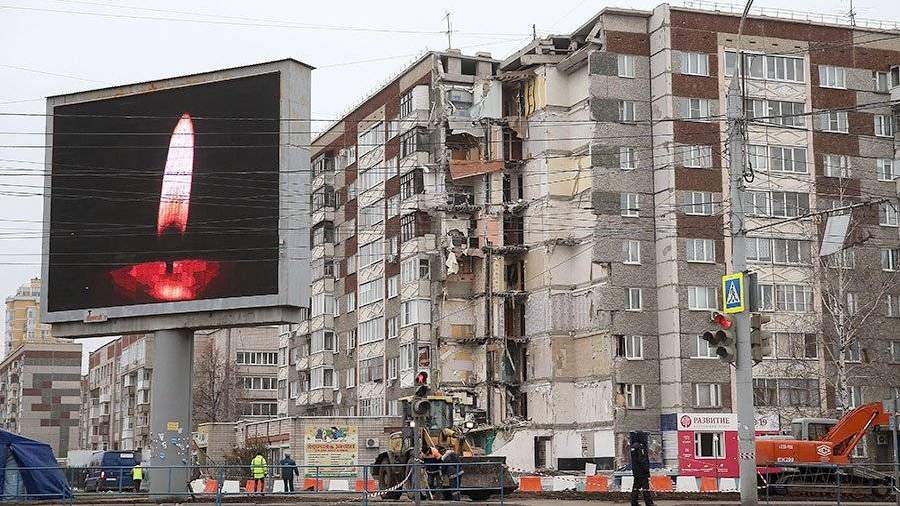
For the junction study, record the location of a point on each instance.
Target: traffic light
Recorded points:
(421, 406)
(722, 337)
(760, 339)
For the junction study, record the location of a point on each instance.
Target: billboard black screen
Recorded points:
(169, 195)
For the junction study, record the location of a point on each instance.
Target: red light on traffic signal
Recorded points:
(422, 378)
(722, 320)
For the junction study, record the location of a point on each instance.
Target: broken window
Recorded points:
(412, 183)
(541, 452)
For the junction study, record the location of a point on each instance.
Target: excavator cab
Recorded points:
(811, 429)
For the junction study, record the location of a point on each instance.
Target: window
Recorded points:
(371, 253)
(698, 157)
(371, 330)
(796, 345)
(630, 347)
(790, 251)
(755, 65)
(630, 204)
(414, 268)
(407, 357)
(351, 377)
(884, 125)
(321, 340)
(393, 407)
(322, 303)
(370, 178)
(634, 395)
(257, 409)
(393, 286)
(860, 451)
(783, 68)
(887, 171)
(371, 292)
(695, 63)
(393, 367)
(408, 227)
(393, 250)
(793, 298)
(887, 214)
(371, 214)
(294, 389)
(833, 121)
(625, 65)
(626, 111)
(351, 339)
(415, 311)
(709, 445)
(776, 112)
(854, 397)
(708, 395)
(785, 159)
(785, 392)
(700, 250)
(765, 295)
(371, 407)
(371, 369)
(789, 204)
(701, 298)
(890, 259)
(698, 203)
(765, 392)
(350, 302)
(632, 252)
(757, 203)
(852, 352)
(882, 81)
(697, 108)
(832, 77)
(406, 104)
(626, 158)
(895, 351)
(393, 327)
(893, 305)
(259, 383)
(758, 156)
(321, 377)
(704, 350)
(836, 166)
(411, 183)
(412, 141)
(759, 249)
(633, 299)
(393, 206)
(371, 138)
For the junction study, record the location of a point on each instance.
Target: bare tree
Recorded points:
(217, 389)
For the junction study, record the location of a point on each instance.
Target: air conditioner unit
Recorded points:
(371, 442)
(391, 259)
(881, 439)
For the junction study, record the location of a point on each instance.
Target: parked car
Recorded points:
(110, 470)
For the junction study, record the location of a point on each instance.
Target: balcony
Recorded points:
(321, 396)
(143, 384)
(104, 398)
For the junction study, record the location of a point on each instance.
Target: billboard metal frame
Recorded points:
(291, 301)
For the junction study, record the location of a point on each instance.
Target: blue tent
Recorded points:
(28, 470)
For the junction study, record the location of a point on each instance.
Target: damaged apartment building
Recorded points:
(544, 234)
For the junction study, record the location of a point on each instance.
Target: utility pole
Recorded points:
(449, 31)
(743, 371)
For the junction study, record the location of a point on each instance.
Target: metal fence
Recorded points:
(214, 483)
(829, 482)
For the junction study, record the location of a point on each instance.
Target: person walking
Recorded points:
(258, 468)
(640, 467)
(288, 470)
(137, 476)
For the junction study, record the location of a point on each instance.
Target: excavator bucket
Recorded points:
(487, 475)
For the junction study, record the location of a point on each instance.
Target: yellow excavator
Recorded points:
(453, 467)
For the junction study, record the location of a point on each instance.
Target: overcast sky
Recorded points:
(60, 46)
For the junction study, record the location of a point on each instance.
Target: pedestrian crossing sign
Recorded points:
(733, 293)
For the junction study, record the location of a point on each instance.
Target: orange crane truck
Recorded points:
(796, 461)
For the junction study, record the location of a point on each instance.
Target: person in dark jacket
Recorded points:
(640, 467)
(288, 470)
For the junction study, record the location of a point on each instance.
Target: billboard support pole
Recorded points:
(170, 413)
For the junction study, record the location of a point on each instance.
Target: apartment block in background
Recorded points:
(23, 317)
(117, 395)
(40, 394)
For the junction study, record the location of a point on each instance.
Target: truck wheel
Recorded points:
(479, 495)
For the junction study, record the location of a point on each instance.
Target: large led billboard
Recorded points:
(172, 197)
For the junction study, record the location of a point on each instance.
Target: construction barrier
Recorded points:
(661, 483)
(372, 486)
(530, 484)
(313, 484)
(596, 483)
(708, 484)
(210, 486)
